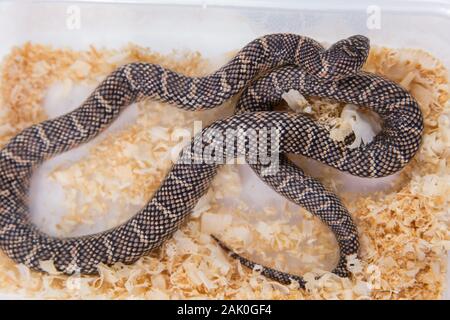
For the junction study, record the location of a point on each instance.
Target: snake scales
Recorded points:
(295, 62)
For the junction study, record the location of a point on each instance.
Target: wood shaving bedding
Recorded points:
(404, 229)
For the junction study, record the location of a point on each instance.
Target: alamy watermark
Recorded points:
(73, 20)
(373, 21)
(259, 145)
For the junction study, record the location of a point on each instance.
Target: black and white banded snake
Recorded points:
(287, 61)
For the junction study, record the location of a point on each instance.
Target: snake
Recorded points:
(261, 71)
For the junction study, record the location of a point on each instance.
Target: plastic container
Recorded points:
(215, 27)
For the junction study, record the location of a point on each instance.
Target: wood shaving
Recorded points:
(404, 231)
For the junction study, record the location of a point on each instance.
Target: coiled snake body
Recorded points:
(301, 63)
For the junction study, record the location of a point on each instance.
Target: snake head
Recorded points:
(344, 58)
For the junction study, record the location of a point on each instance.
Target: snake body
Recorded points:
(389, 152)
(332, 73)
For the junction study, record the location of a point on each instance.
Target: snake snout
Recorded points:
(356, 46)
(345, 57)
(359, 42)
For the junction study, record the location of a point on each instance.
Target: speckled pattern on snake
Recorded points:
(285, 61)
